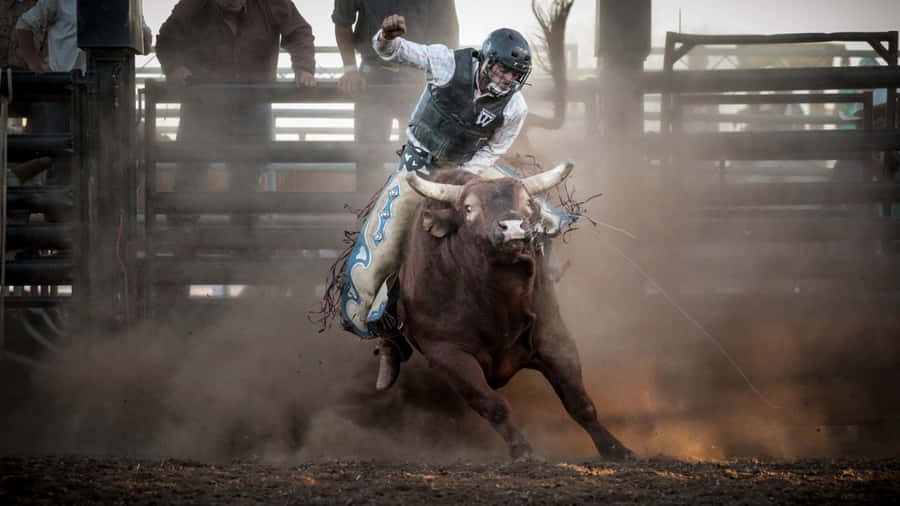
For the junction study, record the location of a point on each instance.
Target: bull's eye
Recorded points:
(468, 209)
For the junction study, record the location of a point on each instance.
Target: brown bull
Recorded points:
(477, 301)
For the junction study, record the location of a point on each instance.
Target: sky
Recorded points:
(479, 17)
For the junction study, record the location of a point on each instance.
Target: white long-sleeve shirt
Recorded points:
(439, 64)
(61, 19)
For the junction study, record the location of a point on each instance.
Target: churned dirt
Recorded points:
(86, 480)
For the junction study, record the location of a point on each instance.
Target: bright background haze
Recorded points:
(479, 17)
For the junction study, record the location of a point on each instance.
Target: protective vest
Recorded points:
(449, 122)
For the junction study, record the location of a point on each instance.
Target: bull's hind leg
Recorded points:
(466, 377)
(558, 360)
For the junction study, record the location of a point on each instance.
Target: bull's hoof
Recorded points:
(529, 458)
(617, 451)
(522, 452)
(388, 368)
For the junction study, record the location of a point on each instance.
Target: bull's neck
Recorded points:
(488, 269)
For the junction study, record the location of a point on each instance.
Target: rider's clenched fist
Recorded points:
(393, 26)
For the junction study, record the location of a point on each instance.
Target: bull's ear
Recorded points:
(438, 222)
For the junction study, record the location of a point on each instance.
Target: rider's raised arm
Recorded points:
(436, 59)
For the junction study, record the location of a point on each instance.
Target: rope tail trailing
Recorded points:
(711, 338)
(330, 307)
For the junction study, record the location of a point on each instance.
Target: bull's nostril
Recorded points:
(502, 225)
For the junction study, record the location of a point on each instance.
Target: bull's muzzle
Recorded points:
(511, 230)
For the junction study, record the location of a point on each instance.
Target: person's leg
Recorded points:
(375, 256)
(253, 125)
(189, 176)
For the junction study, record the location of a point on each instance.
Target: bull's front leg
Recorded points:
(557, 359)
(465, 375)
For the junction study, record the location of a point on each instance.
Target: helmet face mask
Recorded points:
(498, 79)
(504, 53)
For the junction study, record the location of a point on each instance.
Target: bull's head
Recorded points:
(501, 212)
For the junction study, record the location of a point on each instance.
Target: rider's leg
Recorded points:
(376, 255)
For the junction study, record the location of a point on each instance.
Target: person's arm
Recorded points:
(344, 15)
(172, 42)
(297, 39)
(514, 115)
(344, 37)
(29, 52)
(147, 36)
(30, 22)
(436, 60)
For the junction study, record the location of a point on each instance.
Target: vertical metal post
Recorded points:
(111, 33)
(149, 195)
(890, 157)
(83, 126)
(112, 229)
(4, 112)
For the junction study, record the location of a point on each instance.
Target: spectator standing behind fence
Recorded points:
(231, 41)
(355, 23)
(60, 20)
(10, 11)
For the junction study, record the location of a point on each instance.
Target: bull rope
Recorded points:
(4, 120)
(687, 316)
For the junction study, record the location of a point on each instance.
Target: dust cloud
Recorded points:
(256, 380)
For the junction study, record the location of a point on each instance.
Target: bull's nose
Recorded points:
(511, 230)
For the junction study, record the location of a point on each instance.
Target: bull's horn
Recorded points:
(437, 191)
(539, 183)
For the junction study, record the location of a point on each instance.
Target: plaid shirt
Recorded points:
(439, 64)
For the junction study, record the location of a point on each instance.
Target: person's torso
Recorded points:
(449, 121)
(219, 54)
(62, 38)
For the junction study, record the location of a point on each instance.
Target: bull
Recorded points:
(476, 298)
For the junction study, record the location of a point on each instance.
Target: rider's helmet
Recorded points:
(510, 49)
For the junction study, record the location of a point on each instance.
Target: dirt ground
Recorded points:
(85, 480)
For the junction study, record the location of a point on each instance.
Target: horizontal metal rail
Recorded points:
(278, 112)
(280, 92)
(679, 44)
(30, 301)
(732, 80)
(724, 230)
(753, 270)
(772, 98)
(45, 236)
(779, 145)
(277, 152)
(756, 118)
(40, 198)
(775, 194)
(779, 38)
(242, 238)
(40, 86)
(223, 272)
(259, 202)
(27, 147)
(50, 271)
